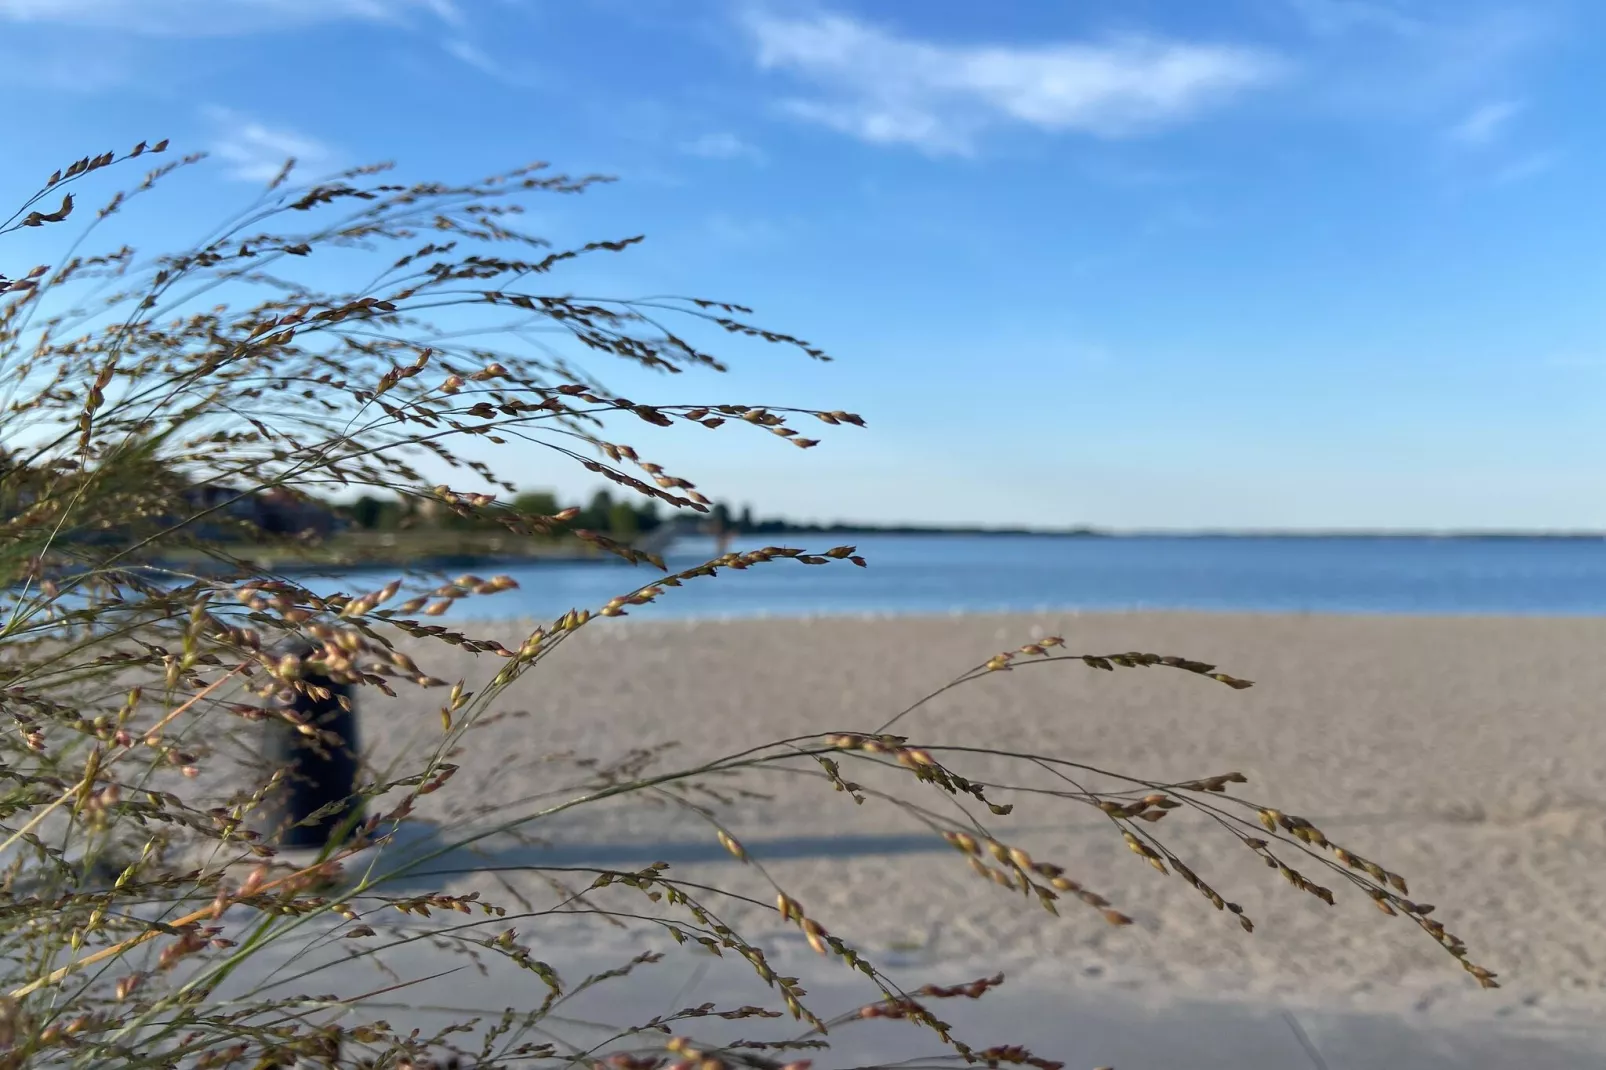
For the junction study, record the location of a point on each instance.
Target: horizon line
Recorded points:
(1202, 532)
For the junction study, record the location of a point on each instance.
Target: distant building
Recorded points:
(274, 512)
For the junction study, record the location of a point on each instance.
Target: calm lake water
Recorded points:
(943, 574)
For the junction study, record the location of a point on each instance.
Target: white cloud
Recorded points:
(204, 18)
(256, 153)
(889, 89)
(722, 146)
(1485, 123)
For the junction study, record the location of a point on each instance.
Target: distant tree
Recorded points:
(391, 514)
(537, 503)
(599, 514)
(721, 516)
(622, 523)
(648, 516)
(746, 522)
(366, 512)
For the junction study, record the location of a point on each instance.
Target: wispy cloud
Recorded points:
(473, 56)
(890, 89)
(204, 18)
(1134, 174)
(743, 233)
(1333, 18)
(59, 67)
(1485, 123)
(1484, 130)
(1521, 170)
(464, 51)
(1418, 61)
(1577, 361)
(722, 146)
(255, 152)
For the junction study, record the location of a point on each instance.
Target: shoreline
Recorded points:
(572, 554)
(637, 619)
(443, 562)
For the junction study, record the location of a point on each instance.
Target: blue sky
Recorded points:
(1133, 263)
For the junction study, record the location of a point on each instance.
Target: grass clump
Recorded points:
(136, 887)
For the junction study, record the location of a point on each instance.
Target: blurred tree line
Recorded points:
(620, 518)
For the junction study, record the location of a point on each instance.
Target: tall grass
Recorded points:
(137, 888)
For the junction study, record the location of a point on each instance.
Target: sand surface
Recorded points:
(1466, 754)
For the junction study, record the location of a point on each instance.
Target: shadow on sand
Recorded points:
(420, 853)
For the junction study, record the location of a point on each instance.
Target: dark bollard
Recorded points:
(318, 773)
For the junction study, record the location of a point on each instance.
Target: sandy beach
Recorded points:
(1465, 754)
